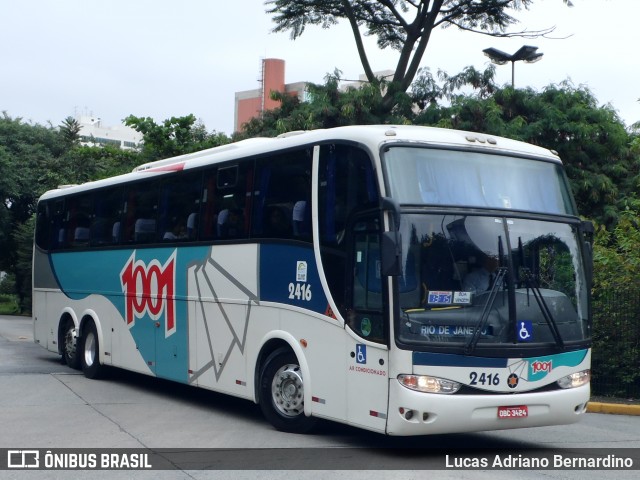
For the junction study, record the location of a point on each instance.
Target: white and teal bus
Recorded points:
(334, 274)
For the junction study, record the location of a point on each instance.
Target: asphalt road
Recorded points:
(46, 405)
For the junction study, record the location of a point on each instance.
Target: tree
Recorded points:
(70, 130)
(175, 136)
(591, 139)
(328, 107)
(403, 25)
(27, 153)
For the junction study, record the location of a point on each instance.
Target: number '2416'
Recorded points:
(300, 291)
(484, 378)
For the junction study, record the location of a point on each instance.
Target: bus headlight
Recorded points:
(428, 384)
(575, 379)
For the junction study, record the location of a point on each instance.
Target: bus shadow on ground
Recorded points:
(345, 435)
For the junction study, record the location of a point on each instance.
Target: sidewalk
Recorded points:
(614, 408)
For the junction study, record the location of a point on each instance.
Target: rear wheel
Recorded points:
(90, 352)
(282, 393)
(70, 345)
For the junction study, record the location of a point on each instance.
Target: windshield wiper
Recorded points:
(546, 313)
(473, 341)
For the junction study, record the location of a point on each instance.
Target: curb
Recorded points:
(613, 408)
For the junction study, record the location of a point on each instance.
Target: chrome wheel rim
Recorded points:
(90, 349)
(287, 391)
(70, 343)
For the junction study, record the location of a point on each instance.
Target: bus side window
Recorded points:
(346, 185)
(208, 216)
(107, 209)
(179, 205)
(43, 225)
(79, 213)
(141, 208)
(234, 189)
(282, 196)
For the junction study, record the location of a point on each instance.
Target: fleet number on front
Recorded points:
(300, 291)
(484, 379)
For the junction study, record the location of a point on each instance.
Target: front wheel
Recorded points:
(90, 352)
(282, 393)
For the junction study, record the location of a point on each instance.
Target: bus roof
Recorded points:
(371, 136)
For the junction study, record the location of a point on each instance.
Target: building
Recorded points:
(93, 133)
(251, 103)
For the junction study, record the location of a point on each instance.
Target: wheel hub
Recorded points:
(287, 390)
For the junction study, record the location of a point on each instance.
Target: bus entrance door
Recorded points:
(368, 356)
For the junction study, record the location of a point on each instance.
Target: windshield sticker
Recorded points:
(440, 298)
(524, 330)
(462, 298)
(365, 327)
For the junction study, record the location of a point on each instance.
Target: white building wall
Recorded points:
(94, 133)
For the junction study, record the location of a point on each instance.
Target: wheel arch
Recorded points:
(278, 340)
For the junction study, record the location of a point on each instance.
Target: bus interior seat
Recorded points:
(192, 225)
(301, 219)
(145, 230)
(81, 236)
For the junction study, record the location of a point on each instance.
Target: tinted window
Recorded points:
(282, 202)
(105, 226)
(139, 224)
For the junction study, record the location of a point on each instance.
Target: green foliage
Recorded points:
(591, 140)
(175, 136)
(403, 26)
(70, 131)
(34, 159)
(616, 307)
(616, 254)
(23, 239)
(8, 285)
(8, 305)
(27, 153)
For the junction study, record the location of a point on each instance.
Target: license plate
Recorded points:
(521, 411)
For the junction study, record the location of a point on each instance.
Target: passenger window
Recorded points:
(140, 213)
(232, 202)
(105, 227)
(79, 214)
(44, 225)
(208, 221)
(282, 197)
(179, 207)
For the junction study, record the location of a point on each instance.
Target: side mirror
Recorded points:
(391, 254)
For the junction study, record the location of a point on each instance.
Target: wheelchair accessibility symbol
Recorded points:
(524, 330)
(361, 353)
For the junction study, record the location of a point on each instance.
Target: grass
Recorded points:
(9, 305)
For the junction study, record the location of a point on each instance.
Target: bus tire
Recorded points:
(70, 344)
(282, 393)
(90, 352)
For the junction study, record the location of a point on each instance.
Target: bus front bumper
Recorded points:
(418, 413)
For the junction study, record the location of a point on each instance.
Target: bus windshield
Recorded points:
(476, 280)
(490, 281)
(419, 176)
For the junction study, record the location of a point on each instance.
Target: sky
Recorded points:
(164, 58)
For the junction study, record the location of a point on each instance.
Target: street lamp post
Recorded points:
(526, 53)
